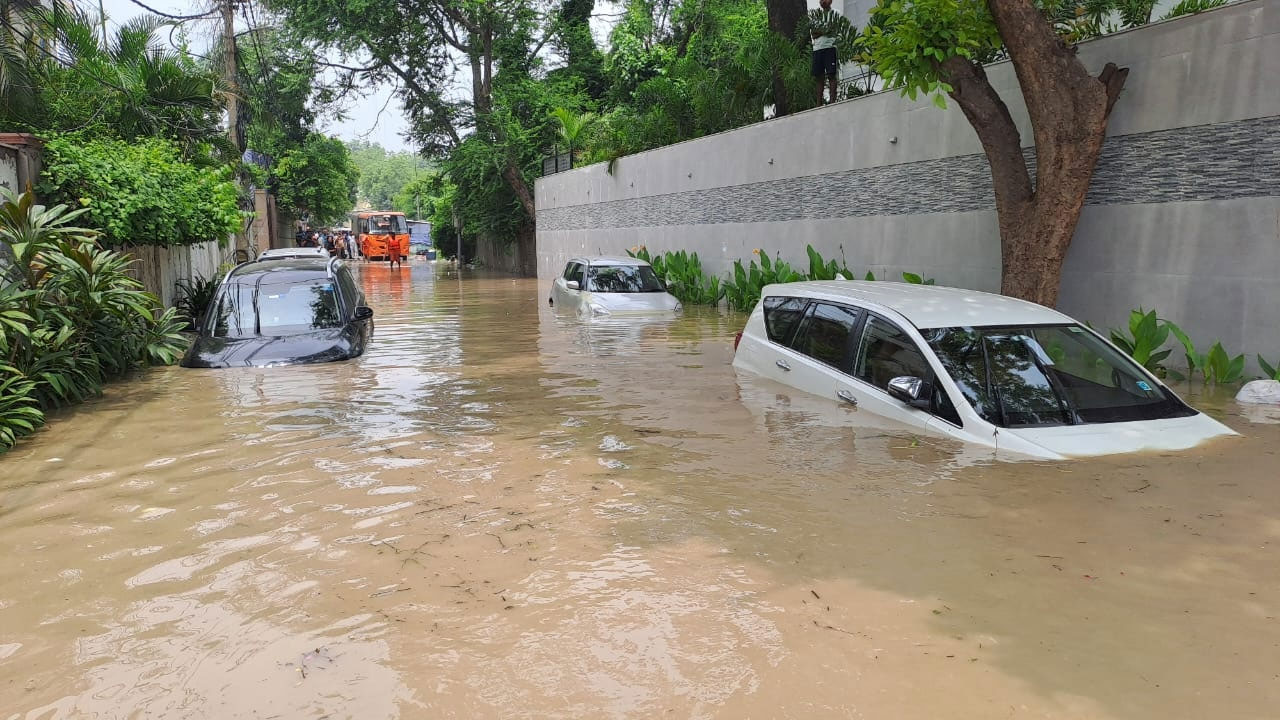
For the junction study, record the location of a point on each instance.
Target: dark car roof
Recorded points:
(302, 268)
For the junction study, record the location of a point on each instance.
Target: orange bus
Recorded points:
(373, 230)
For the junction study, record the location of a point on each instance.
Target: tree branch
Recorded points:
(990, 118)
(1113, 78)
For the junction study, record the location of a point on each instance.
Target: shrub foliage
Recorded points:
(71, 318)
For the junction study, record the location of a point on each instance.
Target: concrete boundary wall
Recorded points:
(1183, 216)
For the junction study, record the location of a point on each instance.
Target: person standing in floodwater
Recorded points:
(393, 252)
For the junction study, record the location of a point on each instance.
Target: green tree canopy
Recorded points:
(317, 179)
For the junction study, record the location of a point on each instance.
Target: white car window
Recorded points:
(886, 353)
(825, 332)
(781, 315)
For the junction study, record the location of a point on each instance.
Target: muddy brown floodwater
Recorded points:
(498, 512)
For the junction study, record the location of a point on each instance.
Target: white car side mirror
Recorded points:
(571, 284)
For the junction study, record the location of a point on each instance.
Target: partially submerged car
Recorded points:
(283, 311)
(976, 367)
(599, 286)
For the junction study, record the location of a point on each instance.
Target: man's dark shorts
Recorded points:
(824, 62)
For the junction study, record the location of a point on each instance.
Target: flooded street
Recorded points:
(502, 512)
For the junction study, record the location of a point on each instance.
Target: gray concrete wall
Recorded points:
(9, 169)
(1183, 217)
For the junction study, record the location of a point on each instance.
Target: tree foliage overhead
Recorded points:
(383, 174)
(317, 179)
(59, 75)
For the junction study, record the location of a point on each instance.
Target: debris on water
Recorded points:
(612, 443)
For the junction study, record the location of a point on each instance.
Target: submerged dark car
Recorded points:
(283, 311)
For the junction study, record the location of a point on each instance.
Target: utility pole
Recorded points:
(230, 70)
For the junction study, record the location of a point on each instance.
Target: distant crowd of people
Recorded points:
(338, 242)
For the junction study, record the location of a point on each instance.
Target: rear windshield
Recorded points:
(623, 279)
(1048, 375)
(275, 306)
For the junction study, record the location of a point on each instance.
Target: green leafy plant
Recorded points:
(194, 297)
(140, 193)
(1223, 369)
(682, 272)
(1191, 7)
(743, 291)
(19, 411)
(1272, 372)
(71, 317)
(1214, 366)
(820, 269)
(915, 279)
(1145, 340)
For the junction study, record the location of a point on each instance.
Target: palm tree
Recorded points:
(60, 73)
(573, 127)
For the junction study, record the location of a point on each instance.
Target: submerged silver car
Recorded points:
(602, 286)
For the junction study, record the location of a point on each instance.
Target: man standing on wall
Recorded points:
(824, 24)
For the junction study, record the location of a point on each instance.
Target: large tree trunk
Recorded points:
(784, 17)
(527, 249)
(1068, 109)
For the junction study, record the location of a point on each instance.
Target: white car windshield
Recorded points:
(1048, 375)
(623, 279)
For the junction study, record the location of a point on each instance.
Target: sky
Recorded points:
(386, 129)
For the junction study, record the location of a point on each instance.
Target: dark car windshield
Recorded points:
(623, 279)
(275, 304)
(1048, 375)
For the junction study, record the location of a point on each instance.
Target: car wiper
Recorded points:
(992, 390)
(257, 318)
(1068, 413)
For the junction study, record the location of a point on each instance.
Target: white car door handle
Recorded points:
(848, 397)
(783, 364)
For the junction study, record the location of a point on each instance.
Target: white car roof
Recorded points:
(926, 306)
(294, 252)
(609, 260)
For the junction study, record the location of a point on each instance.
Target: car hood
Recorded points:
(1123, 437)
(651, 302)
(312, 347)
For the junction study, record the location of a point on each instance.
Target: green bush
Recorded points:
(1146, 338)
(140, 193)
(743, 291)
(70, 316)
(682, 272)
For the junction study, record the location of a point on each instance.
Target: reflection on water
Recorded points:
(499, 511)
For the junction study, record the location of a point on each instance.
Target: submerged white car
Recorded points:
(600, 286)
(976, 367)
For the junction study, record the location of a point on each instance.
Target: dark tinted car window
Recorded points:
(579, 275)
(824, 334)
(350, 291)
(781, 314)
(886, 353)
(569, 270)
